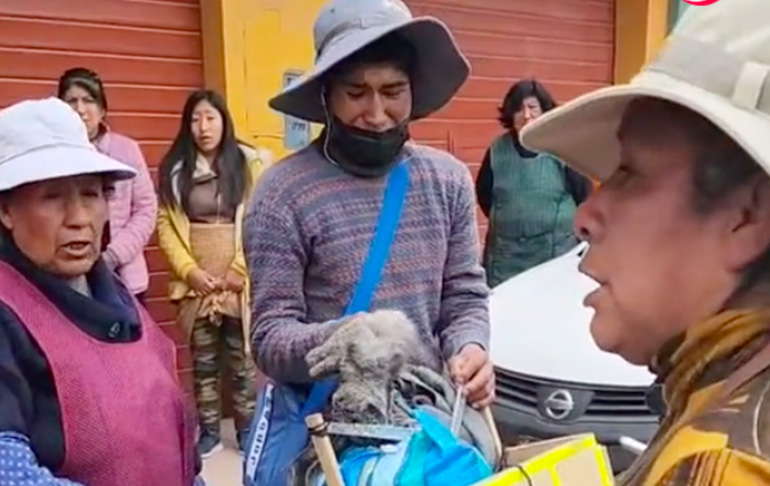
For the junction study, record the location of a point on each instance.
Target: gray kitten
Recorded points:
(368, 353)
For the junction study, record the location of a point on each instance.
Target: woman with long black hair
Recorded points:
(530, 198)
(205, 178)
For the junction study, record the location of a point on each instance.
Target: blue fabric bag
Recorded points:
(449, 460)
(278, 434)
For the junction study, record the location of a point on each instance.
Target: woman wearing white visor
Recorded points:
(88, 391)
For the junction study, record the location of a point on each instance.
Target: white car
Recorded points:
(552, 379)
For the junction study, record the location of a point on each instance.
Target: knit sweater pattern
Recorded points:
(307, 234)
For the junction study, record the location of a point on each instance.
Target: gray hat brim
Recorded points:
(440, 69)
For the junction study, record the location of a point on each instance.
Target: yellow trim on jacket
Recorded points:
(174, 239)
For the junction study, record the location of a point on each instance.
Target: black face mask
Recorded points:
(365, 153)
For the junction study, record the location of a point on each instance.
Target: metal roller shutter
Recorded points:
(567, 44)
(149, 56)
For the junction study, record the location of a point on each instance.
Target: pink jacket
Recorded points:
(133, 210)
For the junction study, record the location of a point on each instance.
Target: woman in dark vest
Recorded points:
(88, 387)
(530, 198)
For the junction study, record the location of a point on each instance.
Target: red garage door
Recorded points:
(567, 44)
(147, 53)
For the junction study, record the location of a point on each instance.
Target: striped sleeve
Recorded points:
(722, 467)
(464, 296)
(276, 262)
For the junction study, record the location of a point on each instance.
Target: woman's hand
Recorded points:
(203, 282)
(233, 281)
(472, 369)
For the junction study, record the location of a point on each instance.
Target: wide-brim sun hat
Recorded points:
(45, 139)
(344, 27)
(716, 63)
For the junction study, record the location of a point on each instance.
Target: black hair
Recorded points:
(390, 49)
(86, 79)
(231, 167)
(515, 98)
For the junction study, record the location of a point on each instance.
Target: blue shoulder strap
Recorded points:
(393, 202)
(395, 192)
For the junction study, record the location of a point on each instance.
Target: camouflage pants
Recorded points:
(210, 344)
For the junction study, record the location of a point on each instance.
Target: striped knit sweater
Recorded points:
(306, 236)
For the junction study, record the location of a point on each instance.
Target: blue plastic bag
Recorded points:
(437, 458)
(278, 435)
(357, 463)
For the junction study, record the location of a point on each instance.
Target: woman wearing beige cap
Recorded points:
(88, 391)
(679, 235)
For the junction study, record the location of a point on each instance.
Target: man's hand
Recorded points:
(472, 369)
(233, 281)
(202, 282)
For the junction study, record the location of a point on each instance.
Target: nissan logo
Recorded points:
(559, 404)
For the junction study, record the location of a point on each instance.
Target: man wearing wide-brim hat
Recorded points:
(313, 215)
(679, 236)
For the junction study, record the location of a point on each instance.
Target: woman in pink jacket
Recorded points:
(134, 206)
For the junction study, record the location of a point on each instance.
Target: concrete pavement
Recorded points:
(224, 468)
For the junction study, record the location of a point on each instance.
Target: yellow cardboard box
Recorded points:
(577, 460)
